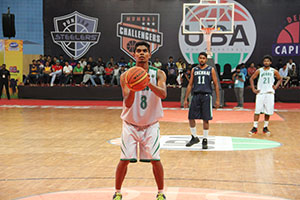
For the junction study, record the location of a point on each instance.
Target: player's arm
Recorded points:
(160, 89)
(215, 81)
(189, 89)
(279, 79)
(128, 94)
(254, 76)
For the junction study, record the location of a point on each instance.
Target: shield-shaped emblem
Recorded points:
(75, 33)
(135, 27)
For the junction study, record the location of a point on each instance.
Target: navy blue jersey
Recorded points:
(202, 80)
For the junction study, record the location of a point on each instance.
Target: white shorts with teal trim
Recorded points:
(146, 138)
(264, 104)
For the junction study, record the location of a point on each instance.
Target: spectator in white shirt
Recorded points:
(99, 73)
(116, 75)
(67, 73)
(284, 71)
(290, 64)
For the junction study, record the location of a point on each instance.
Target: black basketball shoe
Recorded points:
(266, 131)
(204, 143)
(193, 141)
(253, 131)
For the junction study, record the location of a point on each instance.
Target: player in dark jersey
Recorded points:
(201, 107)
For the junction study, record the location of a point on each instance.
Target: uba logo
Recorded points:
(233, 48)
(288, 40)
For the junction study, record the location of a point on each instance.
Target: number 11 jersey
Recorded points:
(202, 80)
(147, 107)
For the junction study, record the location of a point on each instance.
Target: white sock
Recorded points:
(118, 191)
(194, 131)
(266, 123)
(205, 134)
(160, 191)
(255, 124)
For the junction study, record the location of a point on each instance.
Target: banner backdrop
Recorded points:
(111, 27)
(13, 58)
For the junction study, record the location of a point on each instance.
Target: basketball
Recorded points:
(136, 78)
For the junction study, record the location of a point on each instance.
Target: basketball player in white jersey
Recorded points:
(141, 111)
(265, 92)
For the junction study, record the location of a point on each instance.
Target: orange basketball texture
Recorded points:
(136, 78)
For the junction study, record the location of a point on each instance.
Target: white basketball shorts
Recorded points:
(264, 104)
(144, 138)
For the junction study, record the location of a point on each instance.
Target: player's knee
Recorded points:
(124, 162)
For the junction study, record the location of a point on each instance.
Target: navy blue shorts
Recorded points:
(201, 107)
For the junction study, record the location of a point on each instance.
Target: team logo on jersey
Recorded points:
(135, 27)
(233, 48)
(75, 33)
(288, 40)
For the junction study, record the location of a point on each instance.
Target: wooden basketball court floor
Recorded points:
(50, 150)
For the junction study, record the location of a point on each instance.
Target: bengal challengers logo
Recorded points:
(288, 39)
(75, 33)
(135, 27)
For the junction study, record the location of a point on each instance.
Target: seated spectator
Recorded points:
(45, 75)
(78, 74)
(88, 75)
(116, 75)
(56, 72)
(33, 75)
(108, 73)
(99, 73)
(40, 69)
(290, 64)
(279, 64)
(67, 73)
(123, 69)
(172, 72)
(100, 62)
(111, 61)
(157, 63)
(122, 63)
(83, 62)
(61, 59)
(73, 62)
(91, 62)
(180, 65)
(130, 64)
(283, 72)
(294, 76)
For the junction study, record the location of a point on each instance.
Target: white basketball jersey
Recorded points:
(147, 107)
(266, 80)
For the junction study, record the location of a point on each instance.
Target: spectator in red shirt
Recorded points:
(251, 69)
(108, 73)
(57, 71)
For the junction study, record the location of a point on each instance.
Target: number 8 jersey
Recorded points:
(147, 107)
(266, 80)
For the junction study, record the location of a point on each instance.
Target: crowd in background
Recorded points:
(50, 71)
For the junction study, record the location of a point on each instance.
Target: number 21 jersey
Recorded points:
(266, 80)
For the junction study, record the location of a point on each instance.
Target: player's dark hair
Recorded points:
(238, 67)
(202, 54)
(268, 57)
(142, 43)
